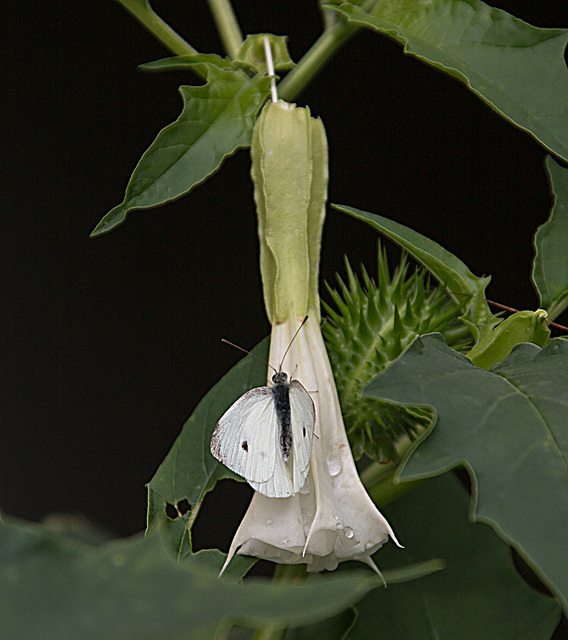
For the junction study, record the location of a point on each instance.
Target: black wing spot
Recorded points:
(245, 445)
(304, 431)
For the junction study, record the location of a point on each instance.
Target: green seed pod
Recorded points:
(290, 174)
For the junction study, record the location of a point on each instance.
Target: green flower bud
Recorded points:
(252, 54)
(290, 174)
(497, 344)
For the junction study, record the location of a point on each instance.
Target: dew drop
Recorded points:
(336, 516)
(338, 525)
(369, 544)
(269, 521)
(333, 465)
(348, 532)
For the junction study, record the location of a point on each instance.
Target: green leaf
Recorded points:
(189, 470)
(339, 626)
(187, 62)
(509, 427)
(131, 589)
(443, 265)
(336, 628)
(550, 267)
(217, 119)
(478, 596)
(212, 560)
(515, 68)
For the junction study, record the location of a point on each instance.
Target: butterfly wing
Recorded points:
(289, 477)
(303, 418)
(246, 437)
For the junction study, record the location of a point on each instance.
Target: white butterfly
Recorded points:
(266, 436)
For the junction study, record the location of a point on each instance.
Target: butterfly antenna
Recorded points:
(249, 352)
(292, 341)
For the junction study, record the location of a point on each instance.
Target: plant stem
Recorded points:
(387, 491)
(227, 26)
(321, 51)
(376, 472)
(284, 573)
(157, 27)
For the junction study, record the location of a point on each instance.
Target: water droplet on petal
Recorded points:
(348, 532)
(338, 525)
(369, 544)
(269, 521)
(334, 465)
(336, 516)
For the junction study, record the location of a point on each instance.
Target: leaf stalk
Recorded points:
(315, 58)
(227, 26)
(157, 27)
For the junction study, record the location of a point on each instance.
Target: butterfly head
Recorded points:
(280, 378)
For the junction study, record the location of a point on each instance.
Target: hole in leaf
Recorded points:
(171, 511)
(183, 507)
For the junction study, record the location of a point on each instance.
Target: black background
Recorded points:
(107, 345)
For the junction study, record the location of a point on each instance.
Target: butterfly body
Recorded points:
(266, 437)
(281, 396)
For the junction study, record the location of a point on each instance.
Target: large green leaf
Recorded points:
(550, 267)
(189, 470)
(509, 427)
(446, 267)
(479, 595)
(335, 628)
(217, 119)
(131, 590)
(517, 69)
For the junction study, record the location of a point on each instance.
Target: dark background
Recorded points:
(107, 345)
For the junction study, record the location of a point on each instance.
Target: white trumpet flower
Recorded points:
(331, 518)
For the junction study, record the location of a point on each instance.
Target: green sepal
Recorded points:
(497, 343)
(252, 54)
(290, 174)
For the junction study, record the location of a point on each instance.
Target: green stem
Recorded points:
(315, 58)
(284, 573)
(227, 26)
(376, 472)
(335, 35)
(157, 27)
(387, 491)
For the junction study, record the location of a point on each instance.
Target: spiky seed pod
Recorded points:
(369, 325)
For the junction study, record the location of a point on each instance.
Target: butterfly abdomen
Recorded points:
(281, 395)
